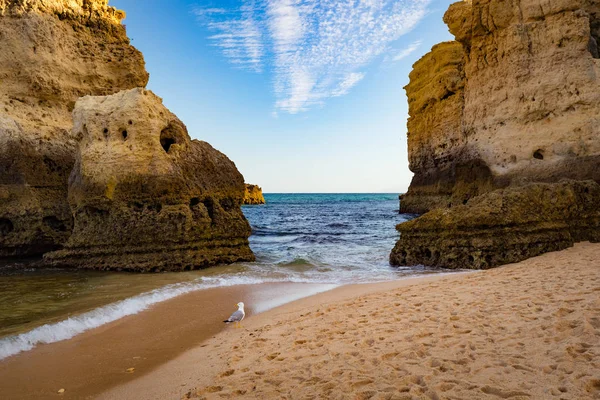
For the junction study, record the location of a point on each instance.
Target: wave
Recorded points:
(296, 261)
(73, 326)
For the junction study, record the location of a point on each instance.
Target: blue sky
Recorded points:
(303, 95)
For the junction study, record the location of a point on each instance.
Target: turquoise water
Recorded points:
(312, 238)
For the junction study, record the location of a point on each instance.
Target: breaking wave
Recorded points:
(73, 326)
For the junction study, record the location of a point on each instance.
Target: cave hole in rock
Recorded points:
(209, 203)
(137, 206)
(124, 134)
(172, 134)
(54, 223)
(166, 143)
(6, 226)
(427, 253)
(105, 131)
(194, 201)
(538, 154)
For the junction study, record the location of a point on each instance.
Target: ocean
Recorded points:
(332, 239)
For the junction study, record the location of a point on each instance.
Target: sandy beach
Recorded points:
(523, 331)
(99, 359)
(529, 330)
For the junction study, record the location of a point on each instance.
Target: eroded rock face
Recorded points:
(253, 195)
(145, 197)
(502, 226)
(516, 99)
(53, 52)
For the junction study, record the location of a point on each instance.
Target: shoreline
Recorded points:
(98, 359)
(169, 380)
(522, 331)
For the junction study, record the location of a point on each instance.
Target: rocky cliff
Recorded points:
(145, 197)
(53, 52)
(253, 195)
(515, 99)
(497, 119)
(502, 226)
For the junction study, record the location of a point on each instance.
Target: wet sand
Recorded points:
(97, 360)
(529, 330)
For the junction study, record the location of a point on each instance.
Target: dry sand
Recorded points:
(524, 331)
(99, 359)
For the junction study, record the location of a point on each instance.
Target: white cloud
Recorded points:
(316, 49)
(201, 12)
(348, 83)
(402, 54)
(240, 37)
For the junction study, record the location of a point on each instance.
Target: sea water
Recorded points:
(332, 239)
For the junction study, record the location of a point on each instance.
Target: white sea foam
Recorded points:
(71, 327)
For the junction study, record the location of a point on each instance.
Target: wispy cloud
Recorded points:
(316, 49)
(402, 54)
(206, 11)
(238, 34)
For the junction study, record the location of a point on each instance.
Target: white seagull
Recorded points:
(237, 316)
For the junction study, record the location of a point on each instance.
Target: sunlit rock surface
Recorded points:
(145, 197)
(515, 99)
(498, 118)
(51, 53)
(253, 195)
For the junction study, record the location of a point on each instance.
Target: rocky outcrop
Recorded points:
(515, 99)
(53, 52)
(497, 118)
(144, 196)
(253, 195)
(502, 226)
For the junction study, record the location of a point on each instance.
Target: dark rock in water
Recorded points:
(52, 52)
(253, 195)
(145, 197)
(503, 226)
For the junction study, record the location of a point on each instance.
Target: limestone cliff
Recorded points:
(253, 195)
(515, 99)
(145, 197)
(497, 119)
(52, 52)
(502, 226)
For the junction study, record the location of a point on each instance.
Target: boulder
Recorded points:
(53, 52)
(502, 226)
(253, 195)
(144, 196)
